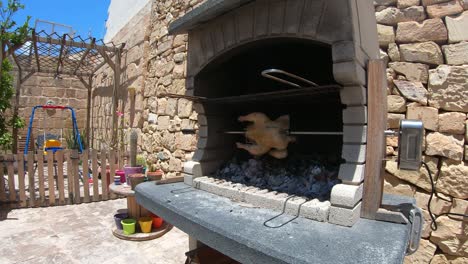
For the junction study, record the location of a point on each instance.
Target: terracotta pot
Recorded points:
(131, 170)
(136, 179)
(154, 175)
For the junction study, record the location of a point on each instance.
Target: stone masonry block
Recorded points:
(344, 216)
(353, 95)
(354, 134)
(188, 179)
(351, 173)
(344, 51)
(354, 153)
(316, 210)
(193, 168)
(355, 115)
(262, 198)
(346, 195)
(349, 73)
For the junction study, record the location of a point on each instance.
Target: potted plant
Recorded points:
(154, 173)
(134, 168)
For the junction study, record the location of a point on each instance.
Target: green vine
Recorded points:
(11, 36)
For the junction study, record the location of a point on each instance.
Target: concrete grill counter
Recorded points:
(237, 230)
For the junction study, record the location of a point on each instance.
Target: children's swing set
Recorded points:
(49, 142)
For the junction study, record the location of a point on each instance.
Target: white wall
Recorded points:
(120, 12)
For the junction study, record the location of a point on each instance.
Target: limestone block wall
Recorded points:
(130, 95)
(40, 88)
(162, 140)
(425, 45)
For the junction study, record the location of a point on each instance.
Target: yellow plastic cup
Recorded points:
(145, 224)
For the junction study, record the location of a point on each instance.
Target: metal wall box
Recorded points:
(410, 142)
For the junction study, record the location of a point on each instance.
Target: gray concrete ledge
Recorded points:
(238, 231)
(208, 10)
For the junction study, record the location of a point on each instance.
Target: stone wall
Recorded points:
(130, 95)
(40, 88)
(162, 140)
(425, 45)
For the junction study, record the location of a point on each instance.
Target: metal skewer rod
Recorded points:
(309, 133)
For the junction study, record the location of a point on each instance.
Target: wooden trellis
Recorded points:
(66, 55)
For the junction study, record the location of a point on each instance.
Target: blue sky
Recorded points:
(83, 15)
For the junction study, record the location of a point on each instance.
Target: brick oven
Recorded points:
(307, 60)
(326, 42)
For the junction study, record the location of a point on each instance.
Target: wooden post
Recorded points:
(41, 179)
(11, 180)
(115, 96)
(51, 177)
(75, 176)
(85, 160)
(375, 154)
(21, 181)
(60, 179)
(16, 109)
(112, 170)
(71, 195)
(2, 181)
(31, 183)
(104, 182)
(95, 176)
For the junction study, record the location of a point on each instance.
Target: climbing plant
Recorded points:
(11, 36)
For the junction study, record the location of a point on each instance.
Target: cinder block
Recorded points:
(344, 195)
(202, 120)
(353, 95)
(188, 179)
(199, 108)
(354, 153)
(193, 168)
(189, 82)
(316, 210)
(344, 51)
(355, 115)
(349, 73)
(354, 134)
(351, 173)
(344, 216)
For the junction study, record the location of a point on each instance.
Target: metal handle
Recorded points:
(268, 74)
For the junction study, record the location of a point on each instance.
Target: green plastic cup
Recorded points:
(129, 226)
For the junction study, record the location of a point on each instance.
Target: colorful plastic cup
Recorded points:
(118, 218)
(145, 224)
(128, 226)
(157, 221)
(117, 180)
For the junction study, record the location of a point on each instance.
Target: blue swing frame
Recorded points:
(76, 131)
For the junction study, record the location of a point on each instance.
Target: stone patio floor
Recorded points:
(80, 234)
